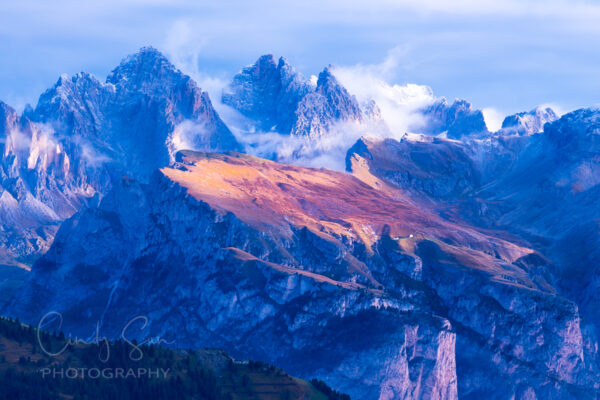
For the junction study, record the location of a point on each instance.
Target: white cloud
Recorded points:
(39, 146)
(557, 108)
(183, 46)
(92, 156)
(493, 118)
(400, 105)
(44, 149)
(326, 152)
(188, 135)
(563, 9)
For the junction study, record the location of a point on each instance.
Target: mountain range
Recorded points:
(447, 263)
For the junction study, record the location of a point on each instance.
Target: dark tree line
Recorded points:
(188, 378)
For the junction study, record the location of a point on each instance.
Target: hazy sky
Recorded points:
(510, 55)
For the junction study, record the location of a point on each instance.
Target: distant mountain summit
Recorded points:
(268, 92)
(280, 99)
(528, 123)
(456, 120)
(132, 118)
(329, 104)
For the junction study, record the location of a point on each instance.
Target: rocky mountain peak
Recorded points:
(460, 106)
(146, 59)
(254, 91)
(457, 120)
(74, 103)
(577, 131)
(326, 78)
(267, 92)
(280, 99)
(283, 64)
(341, 103)
(528, 123)
(149, 72)
(266, 62)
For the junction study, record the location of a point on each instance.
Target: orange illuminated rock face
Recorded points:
(339, 207)
(269, 195)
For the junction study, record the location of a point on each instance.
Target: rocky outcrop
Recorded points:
(528, 123)
(440, 168)
(550, 196)
(268, 92)
(457, 120)
(328, 105)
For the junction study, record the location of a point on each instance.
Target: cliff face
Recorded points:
(538, 188)
(323, 273)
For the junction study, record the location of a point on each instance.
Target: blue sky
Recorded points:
(507, 55)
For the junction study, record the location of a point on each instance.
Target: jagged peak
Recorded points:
(544, 109)
(145, 54)
(462, 103)
(528, 122)
(147, 64)
(283, 63)
(539, 111)
(332, 89)
(266, 59)
(68, 91)
(328, 83)
(267, 69)
(6, 109)
(326, 77)
(65, 80)
(574, 127)
(456, 103)
(442, 101)
(263, 64)
(286, 70)
(62, 79)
